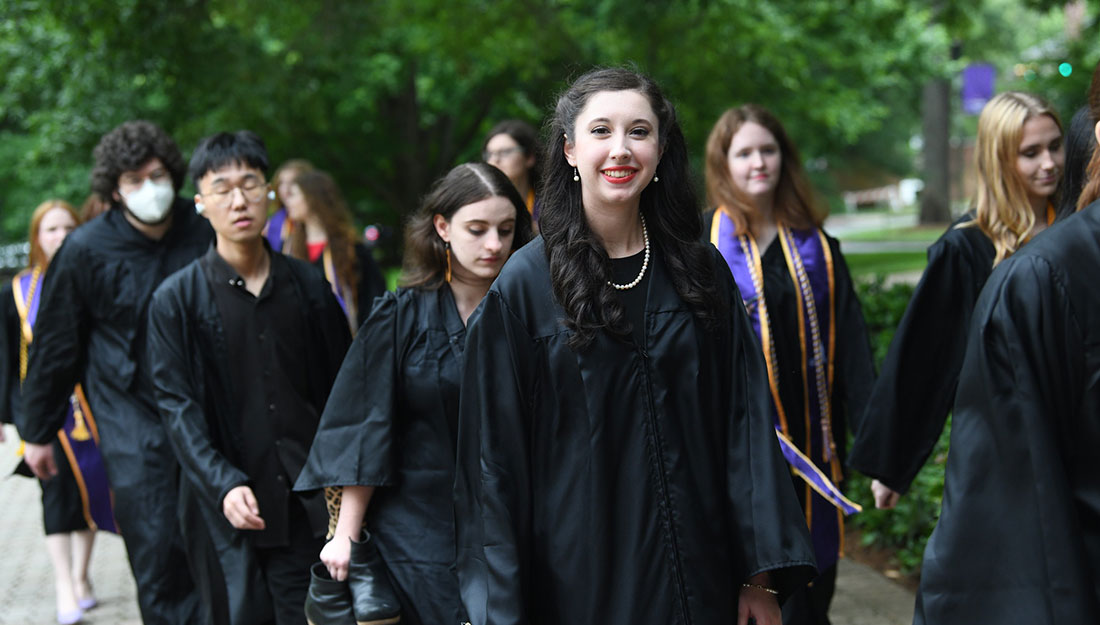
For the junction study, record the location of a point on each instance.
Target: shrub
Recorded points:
(906, 528)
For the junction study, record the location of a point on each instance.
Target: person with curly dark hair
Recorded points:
(616, 459)
(91, 329)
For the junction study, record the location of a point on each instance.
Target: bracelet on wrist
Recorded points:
(759, 587)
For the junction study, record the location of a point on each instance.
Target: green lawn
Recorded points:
(926, 234)
(885, 262)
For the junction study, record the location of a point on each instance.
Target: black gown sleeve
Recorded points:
(771, 528)
(57, 353)
(493, 478)
(371, 282)
(855, 368)
(1008, 545)
(9, 353)
(178, 389)
(916, 386)
(354, 444)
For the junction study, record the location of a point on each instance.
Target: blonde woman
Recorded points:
(1020, 159)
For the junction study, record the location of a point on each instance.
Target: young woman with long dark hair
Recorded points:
(799, 296)
(1019, 156)
(387, 436)
(616, 462)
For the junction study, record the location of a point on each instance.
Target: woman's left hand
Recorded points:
(759, 605)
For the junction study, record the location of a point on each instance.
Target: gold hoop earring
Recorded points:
(447, 274)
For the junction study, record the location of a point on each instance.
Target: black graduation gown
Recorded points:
(916, 385)
(91, 329)
(1018, 540)
(371, 282)
(190, 366)
(623, 484)
(10, 400)
(390, 423)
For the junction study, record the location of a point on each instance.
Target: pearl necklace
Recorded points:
(645, 263)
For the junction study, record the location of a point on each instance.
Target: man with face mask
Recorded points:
(91, 329)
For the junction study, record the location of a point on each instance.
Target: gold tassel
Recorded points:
(80, 430)
(447, 276)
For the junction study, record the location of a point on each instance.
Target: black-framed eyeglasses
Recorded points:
(499, 154)
(252, 190)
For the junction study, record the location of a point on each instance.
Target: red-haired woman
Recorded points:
(809, 323)
(76, 501)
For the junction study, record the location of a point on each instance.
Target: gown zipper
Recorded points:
(663, 485)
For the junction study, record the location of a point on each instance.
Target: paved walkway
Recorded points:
(26, 577)
(864, 597)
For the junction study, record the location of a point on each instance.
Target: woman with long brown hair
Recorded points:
(809, 324)
(387, 436)
(77, 500)
(279, 225)
(324, 235)
(1020, 158)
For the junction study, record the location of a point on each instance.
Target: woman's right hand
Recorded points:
(885, 497)
(335, 555)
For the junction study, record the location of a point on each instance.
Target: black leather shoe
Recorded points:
(328, 601)
(373, 600)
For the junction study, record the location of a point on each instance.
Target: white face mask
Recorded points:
(151, 203)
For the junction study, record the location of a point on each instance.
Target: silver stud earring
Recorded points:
(576, 175)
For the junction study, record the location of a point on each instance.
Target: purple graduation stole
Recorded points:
(810, 264)
(277, 229)
(338, 290)
(79, 436)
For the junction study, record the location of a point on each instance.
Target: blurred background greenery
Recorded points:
(388, 94)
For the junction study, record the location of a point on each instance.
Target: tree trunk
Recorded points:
(935, 202)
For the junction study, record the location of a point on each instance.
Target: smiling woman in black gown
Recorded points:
(616, 460)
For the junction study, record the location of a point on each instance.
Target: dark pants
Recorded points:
(143, 474)
(260, 585)
(286, 569)
(810, 604)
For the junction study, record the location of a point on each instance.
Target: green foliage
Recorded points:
(906, 528)
(883, 307)
(388, 95)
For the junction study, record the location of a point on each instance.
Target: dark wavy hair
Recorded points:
(526, 137)
(322, 196)
(128, 147)
(579, 265)
(425, 262)
(1080, 142)
(794, 199)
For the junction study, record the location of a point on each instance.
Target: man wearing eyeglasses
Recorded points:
(91, 329)
(244, 344)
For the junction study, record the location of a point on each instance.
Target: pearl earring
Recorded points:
(656, 179)
(576, 175)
